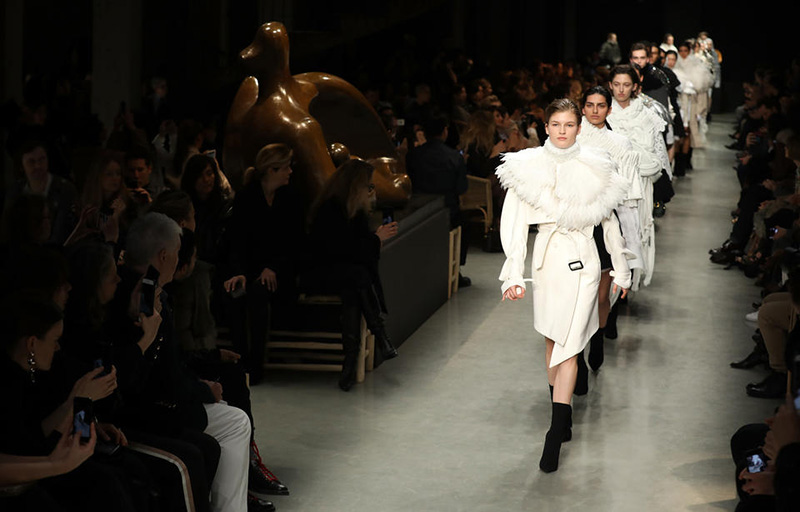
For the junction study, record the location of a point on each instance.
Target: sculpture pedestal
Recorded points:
(413, 265)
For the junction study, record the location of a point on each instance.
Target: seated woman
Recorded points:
(32, 328)
(345, 255)
(266, 234)
(105, 193)
(212, 205)
(196, 332)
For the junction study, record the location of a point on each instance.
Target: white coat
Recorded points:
(566, 192)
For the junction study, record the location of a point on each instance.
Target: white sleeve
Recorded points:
(615, 245)
(514, 237)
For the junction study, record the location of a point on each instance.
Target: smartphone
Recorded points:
(212, 153)
(83, 417)
(401, 122)
(106, 368)
(149, 284)
(388, 216)
(755, 463)
(503, 137)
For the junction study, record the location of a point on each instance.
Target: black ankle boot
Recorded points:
(582, 380)
(611, 323)
(689, 159)
(568, 432)
(758, 356)
(680, 165)
(596, 353)
(562, 415)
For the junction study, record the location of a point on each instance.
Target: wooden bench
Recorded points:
(318, 350)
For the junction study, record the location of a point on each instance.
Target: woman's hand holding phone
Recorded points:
(150, 325)
(70, 453)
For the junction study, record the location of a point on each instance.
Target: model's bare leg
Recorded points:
(548, 354)
(565, 375)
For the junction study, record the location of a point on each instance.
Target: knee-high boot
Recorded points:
(562, 415)
(351, 341)
(596, 353)
(680, 165)
(370, 306)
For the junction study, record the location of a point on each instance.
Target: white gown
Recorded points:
(566, 192)
(620, 150)
(643, 128)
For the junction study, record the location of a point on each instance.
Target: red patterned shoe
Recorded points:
(260, 479)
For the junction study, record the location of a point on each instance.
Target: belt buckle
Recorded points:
(575, 265)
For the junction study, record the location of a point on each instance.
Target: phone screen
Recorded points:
(83, 417)
(148, 299)
(755, 464)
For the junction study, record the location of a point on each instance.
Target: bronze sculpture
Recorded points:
(308, 112)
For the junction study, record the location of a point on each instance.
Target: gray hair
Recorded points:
(148, 235)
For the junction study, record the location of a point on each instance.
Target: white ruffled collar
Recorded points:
(576, 187)
(561, 154)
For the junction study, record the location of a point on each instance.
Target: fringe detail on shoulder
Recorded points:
(577, 192)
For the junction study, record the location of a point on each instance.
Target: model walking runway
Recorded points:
(458, 422)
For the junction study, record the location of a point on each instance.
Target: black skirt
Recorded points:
(605, 258)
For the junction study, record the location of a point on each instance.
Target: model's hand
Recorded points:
(623, 294)
(514, 293)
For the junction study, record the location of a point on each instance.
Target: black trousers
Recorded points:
(200, 454)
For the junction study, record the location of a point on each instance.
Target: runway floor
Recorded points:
(457, 422)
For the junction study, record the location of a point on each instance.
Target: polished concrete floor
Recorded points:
(457, 422)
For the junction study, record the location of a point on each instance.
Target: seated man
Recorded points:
(139, 178)
(160, 391)
(436, 168)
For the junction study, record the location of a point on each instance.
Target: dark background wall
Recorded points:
(194, 43)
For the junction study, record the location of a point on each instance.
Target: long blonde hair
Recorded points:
(480, 131)
(345, 184)
(271, 156)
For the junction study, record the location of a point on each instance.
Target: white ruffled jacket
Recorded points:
(566, 192)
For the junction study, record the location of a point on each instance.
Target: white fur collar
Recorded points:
(575, 187)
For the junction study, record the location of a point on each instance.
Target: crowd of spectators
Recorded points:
(764, 243)
(126, 255)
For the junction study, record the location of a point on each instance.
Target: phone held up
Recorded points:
(149, 285)
(756, 462)
(82, 419)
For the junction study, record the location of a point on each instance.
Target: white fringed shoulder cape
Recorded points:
(574, 187)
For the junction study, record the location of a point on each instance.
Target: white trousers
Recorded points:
(230, 426)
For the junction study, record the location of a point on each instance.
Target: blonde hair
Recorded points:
(480, 131)
(271, 156)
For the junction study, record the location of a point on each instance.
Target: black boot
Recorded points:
(568, 433)
(562, 415)
(689, 166)
(582, 380)
(680, 165)
(596, 354)
(774, 386)
(611, 323)
(351, 341)
(370, 306)
(756, 357)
